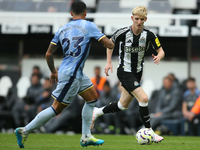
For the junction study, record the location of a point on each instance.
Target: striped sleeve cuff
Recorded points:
(101, 37)
(53, 43)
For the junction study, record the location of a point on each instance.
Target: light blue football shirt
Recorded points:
(75, 39)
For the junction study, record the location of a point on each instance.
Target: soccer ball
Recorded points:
(145, 136)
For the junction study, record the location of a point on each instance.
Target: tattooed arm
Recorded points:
(108, 43)
(49, 58)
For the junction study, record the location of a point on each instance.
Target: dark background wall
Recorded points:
(37, 44)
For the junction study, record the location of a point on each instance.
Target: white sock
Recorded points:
(40, 119)
(85, 136)
(120, 106)
(143, 104)
(87, 112)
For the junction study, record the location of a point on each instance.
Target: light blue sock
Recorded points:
(87, 112)
(41, 118)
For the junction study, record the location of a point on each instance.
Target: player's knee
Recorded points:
(91, 103)
(58, 107)
(57, 110)
(145, 99)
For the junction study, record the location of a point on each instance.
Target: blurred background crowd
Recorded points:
(174, 108)
(27, 27)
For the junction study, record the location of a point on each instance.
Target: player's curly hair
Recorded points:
(140, 10)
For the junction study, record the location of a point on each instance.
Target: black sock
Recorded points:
(144, 113)
(111, 108)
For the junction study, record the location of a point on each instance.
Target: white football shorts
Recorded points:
(68, 87)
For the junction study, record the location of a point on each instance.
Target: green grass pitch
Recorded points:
(112, 142)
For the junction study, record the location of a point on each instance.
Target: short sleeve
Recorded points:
(95, 32)
(154, 40)
(115, 36)
(118, 35)
(55, 40)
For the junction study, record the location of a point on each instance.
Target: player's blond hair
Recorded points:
(140, 11)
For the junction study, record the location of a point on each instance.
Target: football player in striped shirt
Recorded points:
(132, 42)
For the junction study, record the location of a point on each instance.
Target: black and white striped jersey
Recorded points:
(132, 48)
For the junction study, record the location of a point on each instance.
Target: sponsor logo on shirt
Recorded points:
(133, 49)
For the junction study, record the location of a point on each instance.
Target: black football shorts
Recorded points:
(130, 81)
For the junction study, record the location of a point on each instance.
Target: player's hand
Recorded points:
(54, 78)
(107, 67)
(156, 59)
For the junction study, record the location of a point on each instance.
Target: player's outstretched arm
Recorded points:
(49, 58)
(161, 55)
(108, 43)
(109, 62)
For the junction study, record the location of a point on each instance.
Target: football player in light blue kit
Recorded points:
(75, 39)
